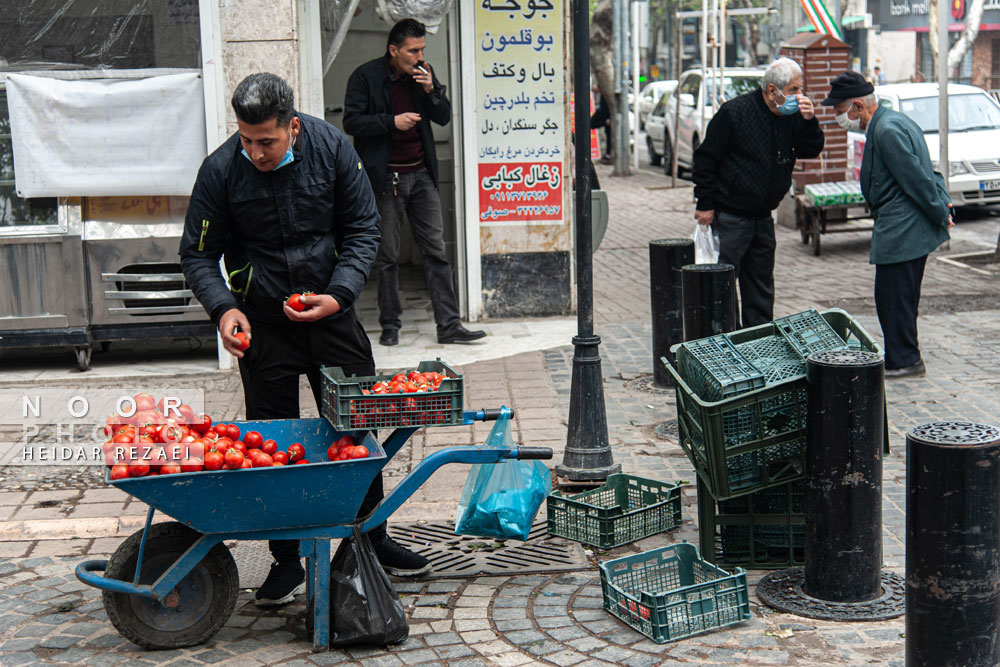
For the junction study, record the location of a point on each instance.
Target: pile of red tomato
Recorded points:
(399, 411)
(150, 443)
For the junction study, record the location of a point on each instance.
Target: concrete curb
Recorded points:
(63, 529)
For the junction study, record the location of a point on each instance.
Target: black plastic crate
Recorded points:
(349, 408)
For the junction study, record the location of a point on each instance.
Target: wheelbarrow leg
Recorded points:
(307, 550)
(321, 593)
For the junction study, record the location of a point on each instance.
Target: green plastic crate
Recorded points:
(671, 593)
(755, 440)
(625, 509)
(759, 531)
(775, 358)
(348, 408)
(808, 332)
(715, 369)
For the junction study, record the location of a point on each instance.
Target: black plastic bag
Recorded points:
(364, 607)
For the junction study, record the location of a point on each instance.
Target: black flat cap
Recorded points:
(847, 86)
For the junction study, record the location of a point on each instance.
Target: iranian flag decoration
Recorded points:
(821, 18)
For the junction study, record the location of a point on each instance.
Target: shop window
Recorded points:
(15, 211)
(960, 74)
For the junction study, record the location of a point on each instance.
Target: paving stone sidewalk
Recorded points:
(46, 616)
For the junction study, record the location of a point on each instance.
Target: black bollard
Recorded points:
(709, 299)
(952, 535)
(843, 538)
(666, 257)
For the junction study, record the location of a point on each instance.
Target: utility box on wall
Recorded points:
(821, 58)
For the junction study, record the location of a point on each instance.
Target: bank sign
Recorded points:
(914, 14)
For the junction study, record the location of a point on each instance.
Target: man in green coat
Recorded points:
(911, 208)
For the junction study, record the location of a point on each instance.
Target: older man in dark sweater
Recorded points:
(743, 169)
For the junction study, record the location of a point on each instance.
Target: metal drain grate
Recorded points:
(460, 555)
(645, 384)
(452, 555)
(667, 430)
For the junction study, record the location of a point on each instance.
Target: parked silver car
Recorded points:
(650, 95)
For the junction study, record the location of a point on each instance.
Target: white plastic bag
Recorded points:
(706, 245)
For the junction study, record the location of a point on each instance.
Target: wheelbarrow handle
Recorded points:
(524, 453)
(491, 415)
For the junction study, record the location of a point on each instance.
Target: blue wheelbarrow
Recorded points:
(175, 584)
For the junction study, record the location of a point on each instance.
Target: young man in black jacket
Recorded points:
(743, 169)
(389, 104)
(286, 200)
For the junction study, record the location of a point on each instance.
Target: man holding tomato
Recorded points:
(287, 201)
(388, 108)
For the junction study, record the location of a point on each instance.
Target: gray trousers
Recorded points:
(748, 244)
(414, 198)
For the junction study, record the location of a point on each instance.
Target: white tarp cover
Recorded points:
(106, 137)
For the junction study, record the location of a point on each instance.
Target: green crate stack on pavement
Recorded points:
(834, 194)
(749, 445)
(625, 509)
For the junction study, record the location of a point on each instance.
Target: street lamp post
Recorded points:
(588, 452)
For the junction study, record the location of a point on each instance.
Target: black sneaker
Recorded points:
(460, 334)
(283, 583)
(396, 559)
(389, 337)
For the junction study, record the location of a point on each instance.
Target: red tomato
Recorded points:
(296, 452)
(332, 451)
(275, 463)
(170, 469)
(347, 441)
(280, 458)
(243, 339)
(169, 434)
(214, 460)
(187, 413)
(295, 303)
(138, 468)
(119, 471)
(247, 463)
(233, 431)
(223, 444)
(202, 423)
(269, 447)
(192, 464)
(380, 388)
(344, 454)
(122, 439)
(210, 435)
(358, 422)
(233, 459)
(262, 460)
(398, 377)
(144, 401)
(253, 439)
(359, 452)
(301, 462)
(240, 445)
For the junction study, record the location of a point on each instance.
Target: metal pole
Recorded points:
(634, 131)
(709, 297)
(952, 538)
(843, 538)
(666, 258)
(944, 15)
(678, 61)
(698, 104)
(621, 129)
(588, 452)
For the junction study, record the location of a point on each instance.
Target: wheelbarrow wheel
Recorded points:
(205, 598)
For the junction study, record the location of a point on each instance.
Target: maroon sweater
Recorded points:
(407, 154)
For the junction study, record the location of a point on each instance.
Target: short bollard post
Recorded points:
(666, 258)
(843, 537)
(952, 551)
(709, 292)
(843, 578)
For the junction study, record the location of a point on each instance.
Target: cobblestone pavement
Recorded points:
(52, 519)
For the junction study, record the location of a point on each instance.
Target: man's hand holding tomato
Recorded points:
(228, 323)
(317, 306)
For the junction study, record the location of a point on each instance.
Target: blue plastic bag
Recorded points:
(501, 499)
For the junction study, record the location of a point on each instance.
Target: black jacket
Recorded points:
(369, 118)
(310, 226)
(744, 165)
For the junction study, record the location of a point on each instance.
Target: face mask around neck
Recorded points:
(288, 159)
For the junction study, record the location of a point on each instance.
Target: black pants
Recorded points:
(748, 244)
(897, 299)
(414, 198)
(270, 370)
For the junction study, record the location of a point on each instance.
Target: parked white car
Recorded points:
(973, 137)
(650, 95)
(693, 96)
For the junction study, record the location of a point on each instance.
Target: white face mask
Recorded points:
(848, 123)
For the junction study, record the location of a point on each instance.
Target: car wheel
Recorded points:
(654, 157)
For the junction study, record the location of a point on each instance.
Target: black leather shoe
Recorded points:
(389, 337)
(283, 583)
(916, 370)
(396, 559)
(460, 335)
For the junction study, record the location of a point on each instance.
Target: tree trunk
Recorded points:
(973, 18)
(601, 62)
(932, 35)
